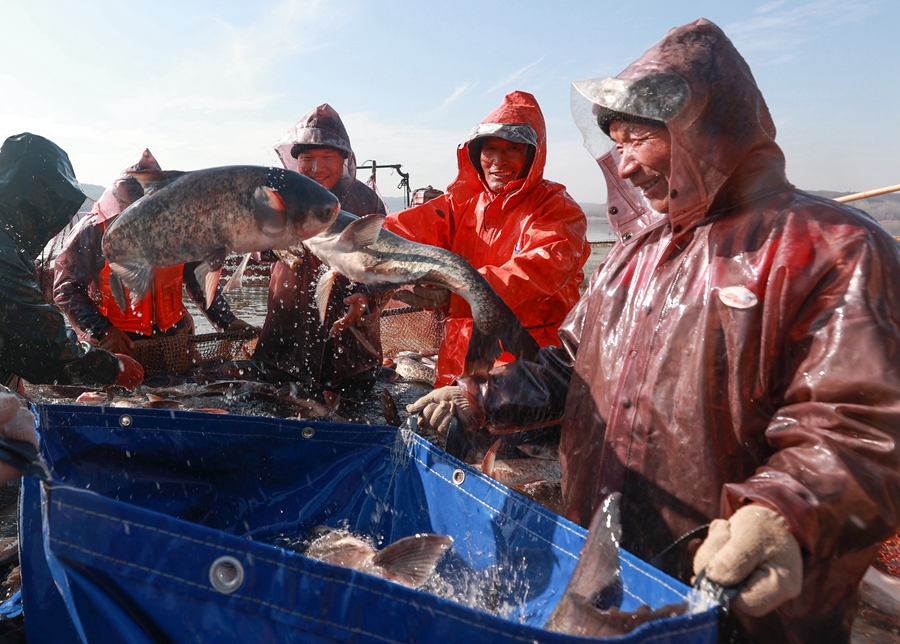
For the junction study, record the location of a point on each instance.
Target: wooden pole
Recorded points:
(867, 194)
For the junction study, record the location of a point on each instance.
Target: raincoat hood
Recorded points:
(321, 126)
(696, 82)
(39, 194)
(125, 190)
(518, 119)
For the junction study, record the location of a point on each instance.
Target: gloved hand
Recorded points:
(115, 341)
(438, 408)
(426, 297)
(755, 545)
(131, 373)
(357, 305)
(16, 423)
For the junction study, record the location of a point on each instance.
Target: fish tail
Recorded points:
(411, 560)
(483, 350)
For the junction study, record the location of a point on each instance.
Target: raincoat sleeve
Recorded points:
(553, 250)
(429, 223)
(834, 472)
(75, 268)
(219, 312)
(524, 394)
(36, 344)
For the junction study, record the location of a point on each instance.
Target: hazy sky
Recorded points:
(216, 83)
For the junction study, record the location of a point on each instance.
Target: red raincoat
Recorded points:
(528, 242)
(746, 350)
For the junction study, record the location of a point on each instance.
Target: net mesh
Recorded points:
(889, 557)
(407, 328)
(178, 353)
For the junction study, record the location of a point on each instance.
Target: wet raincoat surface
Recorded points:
(745, 350)
(81, 275)
(294, 344)
(529, 242)
(38, 197)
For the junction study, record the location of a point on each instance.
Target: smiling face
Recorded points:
(502, 161)
(645, 159)
(323, 165)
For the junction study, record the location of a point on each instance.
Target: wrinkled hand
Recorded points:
(16, 423)
(115, 341)
(357, 304)
(240, 325)
(754, 546)
(131, 373)
(426, 297)
(439, 407)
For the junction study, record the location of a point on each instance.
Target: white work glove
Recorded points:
(439, 407)
(16, 423)
(426, 297)
(756, 547)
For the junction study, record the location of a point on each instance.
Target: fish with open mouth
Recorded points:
(360, 249)
(409, 561)
(206, 215)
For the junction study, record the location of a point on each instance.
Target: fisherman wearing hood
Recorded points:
(39, 195)
(81, 280)
(523, 233)
(294, 344)
(736, 359)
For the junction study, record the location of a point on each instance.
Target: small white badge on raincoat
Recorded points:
(738, 297)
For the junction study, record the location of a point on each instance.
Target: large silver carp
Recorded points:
(360, 249)
(208, 214)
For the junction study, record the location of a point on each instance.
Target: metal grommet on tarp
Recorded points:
(459, 477)
(226, 574)
(125, 420)
(307, 432)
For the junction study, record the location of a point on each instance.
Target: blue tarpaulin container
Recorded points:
(124, 545)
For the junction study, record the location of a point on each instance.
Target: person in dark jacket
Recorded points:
(39, 195)
(81, 280)
(735, 361)
(294, 345)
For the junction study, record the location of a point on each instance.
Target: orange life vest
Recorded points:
(163, 305)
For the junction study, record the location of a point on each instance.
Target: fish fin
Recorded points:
(138, 279)
(208, 278)
(153, 180)
(323, 292)
(216, 258)
(483, 350)
(236, 278)
(362, 233)
(118, 290)
(410, 560)
(389, 408)
(269, 211)
(332, 400)
(518, 341)
(487, 464)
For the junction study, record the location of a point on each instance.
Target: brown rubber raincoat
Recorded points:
(744, 348)
(529, 242)
(294, 345)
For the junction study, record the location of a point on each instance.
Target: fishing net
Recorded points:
(178, 353)
(889, 557)
(409, 328)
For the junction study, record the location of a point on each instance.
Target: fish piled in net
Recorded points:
(409, 328)
(178, 353)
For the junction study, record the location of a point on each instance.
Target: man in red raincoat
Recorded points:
(294, 344)
(524, 234)
(736, 359)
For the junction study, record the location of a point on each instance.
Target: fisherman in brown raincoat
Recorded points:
(294, 344)
(735, 360)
